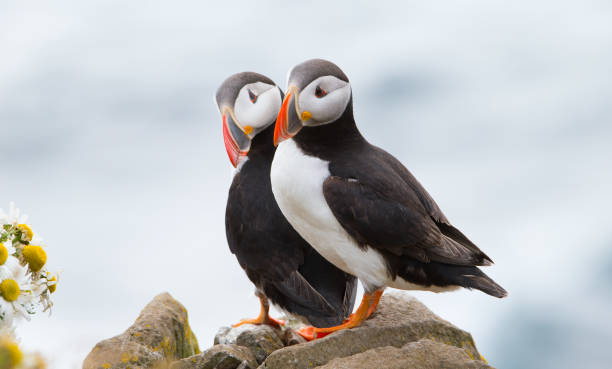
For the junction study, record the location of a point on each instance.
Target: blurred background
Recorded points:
(112, 144)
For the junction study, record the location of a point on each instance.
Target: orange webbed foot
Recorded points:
(309, 333)
(368, 305)
(275, 322)
(258, 321)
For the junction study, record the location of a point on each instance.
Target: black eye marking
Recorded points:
(319, 92)
(252, 96)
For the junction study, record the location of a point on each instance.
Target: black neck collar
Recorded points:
(330, 137)
(263, 143)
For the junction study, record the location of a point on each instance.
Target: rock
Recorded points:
(402, 333)
(398, 321)
(292, 338)
(262, 340)
(160, 334)
(219, 357)
(423, 354)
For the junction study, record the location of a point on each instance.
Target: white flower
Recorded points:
(13, 217)
(25, 284)
(44, 287)
(16, 295)
(10, 353)
(12, 357)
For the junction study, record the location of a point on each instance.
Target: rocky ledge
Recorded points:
(402, 333)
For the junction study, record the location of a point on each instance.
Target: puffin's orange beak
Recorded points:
(280, 129)
(237, 144)
(288, 123)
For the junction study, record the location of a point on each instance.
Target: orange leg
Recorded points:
(377, 296)
(367, 307)
(263, 317)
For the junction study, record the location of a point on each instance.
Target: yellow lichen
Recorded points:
(106, 365)
(167, 346)
(470, 354)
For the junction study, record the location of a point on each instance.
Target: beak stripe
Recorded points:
(280, 130)
(231, 146)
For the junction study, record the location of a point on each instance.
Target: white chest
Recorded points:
(297, 183)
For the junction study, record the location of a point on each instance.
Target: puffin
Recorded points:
(284, 268)
(359, 206)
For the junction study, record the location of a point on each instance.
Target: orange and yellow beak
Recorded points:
(289, 122)
(237, 142)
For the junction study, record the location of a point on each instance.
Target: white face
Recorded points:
(325, 99)
(256, 107)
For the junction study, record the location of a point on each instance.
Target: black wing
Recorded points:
(383, 206)
(429, 204)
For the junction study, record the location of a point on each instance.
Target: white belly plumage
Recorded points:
(297, 183)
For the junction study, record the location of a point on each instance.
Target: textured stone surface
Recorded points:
(402, 333)
(292, 338)
(399, 320)
(219, 357)
(423, 354)
(262, 340)
(160, 333)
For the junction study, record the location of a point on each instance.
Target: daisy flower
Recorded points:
(34, 256)
(14, 216)
(25, 285)
(16, 296)
(10, 354)
(43, 288)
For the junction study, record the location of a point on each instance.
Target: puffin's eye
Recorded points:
(319, 92)
(252, 96)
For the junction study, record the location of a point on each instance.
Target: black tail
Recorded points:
(475, 278)
(336, 288)
(448, 275)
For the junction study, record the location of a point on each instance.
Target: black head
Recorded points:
(318, 93)
(249, 103)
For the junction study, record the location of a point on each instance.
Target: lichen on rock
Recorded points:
(219, 357)
(423, 354)
(402, 333)
(262, 340)
(160, 334)
(398, 321)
